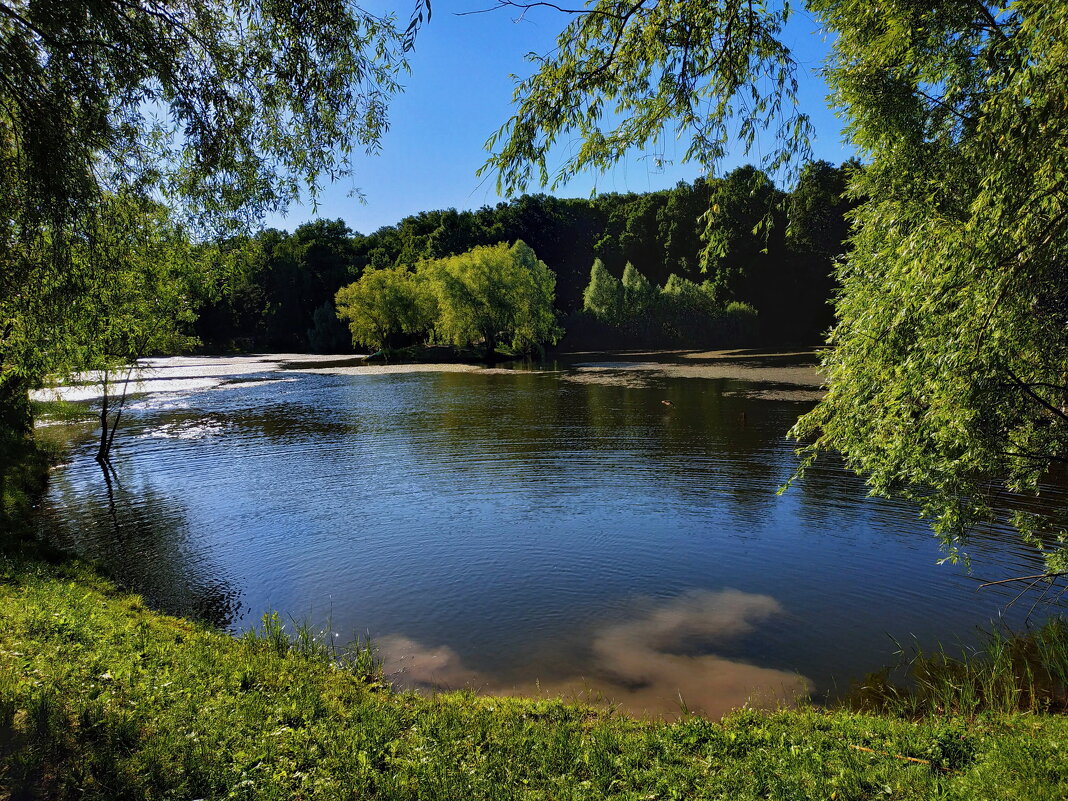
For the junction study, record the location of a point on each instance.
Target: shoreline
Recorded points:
(787, 375)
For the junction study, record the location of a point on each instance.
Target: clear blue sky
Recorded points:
(459, 92)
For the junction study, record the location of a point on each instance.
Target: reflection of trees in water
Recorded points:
(701, 442)
(285, 423)
(140, 536)
(830, 496)
(701, 447)
(731, 444)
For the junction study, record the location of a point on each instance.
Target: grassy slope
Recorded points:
(102, 698)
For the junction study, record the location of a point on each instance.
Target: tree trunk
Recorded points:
(107, 433)
(105, 441)
(491, 348)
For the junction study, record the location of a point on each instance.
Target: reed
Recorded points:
(359, 656)
(1007, 672)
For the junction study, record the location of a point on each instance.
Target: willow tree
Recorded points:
(949, 375)
(639, 294)
(384, 305)
(223, 109)
(140, 274)
(948, 379)
(493, 294)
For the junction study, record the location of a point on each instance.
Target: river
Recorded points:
(604, 527)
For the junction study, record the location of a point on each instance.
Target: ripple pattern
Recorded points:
(507, 516)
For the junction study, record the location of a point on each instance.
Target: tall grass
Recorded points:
(358, 657)
(1008, 672)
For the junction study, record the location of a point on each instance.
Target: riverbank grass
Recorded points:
(1005, 673)
(101, 698)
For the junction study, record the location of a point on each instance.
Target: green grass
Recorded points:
(101, 698)
(1006, 673)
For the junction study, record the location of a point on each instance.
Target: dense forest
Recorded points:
(779, 256)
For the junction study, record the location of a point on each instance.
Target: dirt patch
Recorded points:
(790, 367)
(400, 369)
(610, 377)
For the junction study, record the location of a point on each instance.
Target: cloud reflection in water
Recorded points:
(647, 666)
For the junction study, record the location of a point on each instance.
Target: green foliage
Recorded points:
(744, 227)
(534, 323)
(139, 275)
(24, 468)
(817, 234)
(817, 209)
(385, 304)
(143, 273)
(328, 334)
(1008, 672)
(274, 287)
(639, 294)
(948, 373)
(491, 295)
(225, 106)
(705, 70)
(740, 323)
(301, 272)
(101, 698)
(222, 109)
(632, 312)
(603, 296)
(688, 309)
(275, 283)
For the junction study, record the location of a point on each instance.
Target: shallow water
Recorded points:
(591, 529)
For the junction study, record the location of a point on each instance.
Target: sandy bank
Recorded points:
(779, 375)
(793, 374)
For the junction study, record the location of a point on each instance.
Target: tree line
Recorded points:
(634, 312)
(279, 291)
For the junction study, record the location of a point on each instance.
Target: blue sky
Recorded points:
(459, 92)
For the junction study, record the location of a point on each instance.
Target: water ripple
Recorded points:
(507, 515)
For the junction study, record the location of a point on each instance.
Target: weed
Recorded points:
(1006, 673)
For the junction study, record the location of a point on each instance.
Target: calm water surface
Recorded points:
(602, 533)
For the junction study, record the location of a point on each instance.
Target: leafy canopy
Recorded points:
(385, 304)
(948, 379)
(145, 289)
(225, 104)
(493, 294)
(639, 294)
(949, 375)
(625, 73)
(223, 109)
(634, 312)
